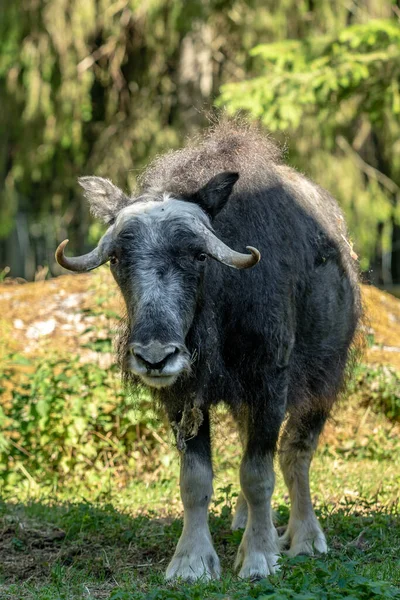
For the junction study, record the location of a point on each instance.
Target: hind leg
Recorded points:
(239, 520)
(304, 534)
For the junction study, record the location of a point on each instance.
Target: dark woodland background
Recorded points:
(101, 86)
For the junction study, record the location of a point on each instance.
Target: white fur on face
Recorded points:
(160, 294)
(195, 557)
(258, 551)
(151, 211)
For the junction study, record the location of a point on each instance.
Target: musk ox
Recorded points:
(240, 287)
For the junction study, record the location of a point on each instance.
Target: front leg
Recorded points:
(195, 556)
(258, 552)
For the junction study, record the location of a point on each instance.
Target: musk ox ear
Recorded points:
(214, 195)
(105, 199)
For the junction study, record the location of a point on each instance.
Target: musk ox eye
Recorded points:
(202, 257)
(113, 259)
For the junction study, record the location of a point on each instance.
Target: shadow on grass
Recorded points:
(104, 544)
(100, 541)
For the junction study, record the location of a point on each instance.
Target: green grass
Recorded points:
(68, 545)
(91, 508)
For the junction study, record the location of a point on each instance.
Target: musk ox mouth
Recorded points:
(159, 381)
(163, 376)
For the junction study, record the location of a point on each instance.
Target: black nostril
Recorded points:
(154, 365)
(150, 365)
(153, 357)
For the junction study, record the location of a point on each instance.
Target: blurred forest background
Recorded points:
(101, 86)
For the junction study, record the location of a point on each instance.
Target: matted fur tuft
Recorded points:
(226, 146)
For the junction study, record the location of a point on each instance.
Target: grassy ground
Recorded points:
(70, 541)
(90, 479)
(118, 547)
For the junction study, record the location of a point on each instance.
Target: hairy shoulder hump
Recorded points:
(227, 146)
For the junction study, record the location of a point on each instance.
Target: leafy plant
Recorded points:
(62, 418)
(378, 386)
(360, 63)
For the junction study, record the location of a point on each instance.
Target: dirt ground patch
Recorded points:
(27, 548)
(382, 312)
(63, 315)
(30, 547)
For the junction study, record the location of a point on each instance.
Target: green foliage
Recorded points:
(360, 64)
(306, 580)
(378, 446)
(378, 387)
(60, 419)
(69, 433)
(99, 87)
(337, 95)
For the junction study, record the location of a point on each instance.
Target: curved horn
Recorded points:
(86, 262)
(227, 256)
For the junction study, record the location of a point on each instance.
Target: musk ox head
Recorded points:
(158, 246)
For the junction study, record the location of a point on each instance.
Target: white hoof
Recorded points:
(258, 565)
(200, 562)
(258, 555)
(304, 537)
